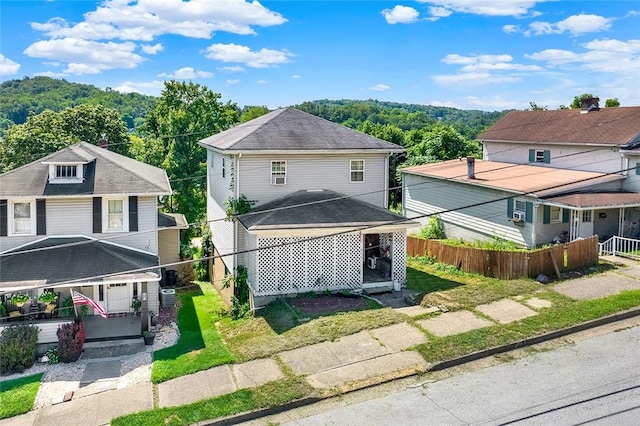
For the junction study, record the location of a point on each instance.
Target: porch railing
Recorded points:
(620, 246)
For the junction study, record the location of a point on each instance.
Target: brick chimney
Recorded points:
(103, 143)
(589, 104)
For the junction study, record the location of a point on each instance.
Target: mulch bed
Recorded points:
(326, 304)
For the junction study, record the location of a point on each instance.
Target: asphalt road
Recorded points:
(595, 381)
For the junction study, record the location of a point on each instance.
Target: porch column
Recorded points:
(144, 309)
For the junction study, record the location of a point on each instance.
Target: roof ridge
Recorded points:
(100, 154)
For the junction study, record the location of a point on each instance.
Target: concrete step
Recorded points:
(113, 348)
(378, 289)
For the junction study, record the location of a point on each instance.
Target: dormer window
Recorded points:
(65, 173)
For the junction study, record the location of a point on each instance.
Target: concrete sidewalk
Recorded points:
(351, 362)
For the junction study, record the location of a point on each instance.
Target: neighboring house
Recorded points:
(544, 174)
(321, 193)
(170, 226)
(83, 218)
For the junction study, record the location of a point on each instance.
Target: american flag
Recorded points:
(81, 299)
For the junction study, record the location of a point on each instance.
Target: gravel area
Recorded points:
(62, 378)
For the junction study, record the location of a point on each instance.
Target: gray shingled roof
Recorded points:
(317, 209)
(289, 129)
(88, 258)
(607, 126)
(106, 173)
(170, 220)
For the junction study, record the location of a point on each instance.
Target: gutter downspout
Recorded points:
(385, 202)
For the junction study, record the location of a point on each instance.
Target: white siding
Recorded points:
(74, 216)
(221, 233)
(586, 158)
(153, 301)
(632, 182)
(423, 195)
(331, 172)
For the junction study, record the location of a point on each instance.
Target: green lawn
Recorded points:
(17, 396)
(199, 346)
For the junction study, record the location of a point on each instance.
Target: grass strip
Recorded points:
(269, 395)
(566, 314)
(200, 346)
(18, 395)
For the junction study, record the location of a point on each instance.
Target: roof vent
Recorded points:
(471, 167)
(589, 104)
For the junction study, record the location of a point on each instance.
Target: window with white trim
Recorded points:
(66, 171)
(587, 216)
(356, 171)
(115, 217)
(555, 214)
(23, 217)
(278, 173)
(539, 156)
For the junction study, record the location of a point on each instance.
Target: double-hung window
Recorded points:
(66, 171)
(356, 171)
(115, 215)
(23, 218)
(555, 214)
(278, 173)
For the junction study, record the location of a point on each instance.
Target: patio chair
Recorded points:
(15, 315)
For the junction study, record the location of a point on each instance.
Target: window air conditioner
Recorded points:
(518, 216)
(279, 180)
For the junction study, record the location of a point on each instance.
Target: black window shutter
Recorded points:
(546, 214)
(546, 156)
(528, 217)
(133, 213)
(41, 217)
(97, 215)
(638, 168)
(532, 155)
(3, 218)
(509, 208)
(565, 215)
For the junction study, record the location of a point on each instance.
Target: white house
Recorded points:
(321, 194)
(83, 218)
(543, 174)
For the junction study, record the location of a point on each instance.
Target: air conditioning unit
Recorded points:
(279, 180)
(518, 216)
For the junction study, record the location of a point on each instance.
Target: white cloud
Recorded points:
(235, 68)
(261, 81)
(511, 29)
(295, 76)
(575, 25)
(231, 82)
(187, 73)
(152, 49)
(255, 59)
(51, 74)
(484, 7)
(7, 66)
(606, 55)
(439, 12)
(86, 57)
(146, 19)
(454, 58)
(474, 79)
(400, 15)
(491, 103)
(147, 88)
(380, 87)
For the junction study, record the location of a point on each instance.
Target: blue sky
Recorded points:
(468, 54)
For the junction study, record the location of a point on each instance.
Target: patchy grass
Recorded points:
(269, 395)
(277, 329)
(200, 346)
(564, 313)
(458, 290)
(17, 396)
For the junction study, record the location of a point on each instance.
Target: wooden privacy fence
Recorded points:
(509, 264)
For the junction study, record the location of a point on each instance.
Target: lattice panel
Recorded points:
(295, 266)
(399, 257)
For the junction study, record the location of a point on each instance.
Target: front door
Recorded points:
(118, 298)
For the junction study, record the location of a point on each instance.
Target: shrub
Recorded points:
(434, 229)
(66, 309)
(52, 354)
(18, 348)
(70, 341)
(186, 274)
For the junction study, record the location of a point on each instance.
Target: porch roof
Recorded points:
(585, 200)
(320, 209)
(55, 261)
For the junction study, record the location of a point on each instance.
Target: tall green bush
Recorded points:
(18, 345)
(434, 229)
